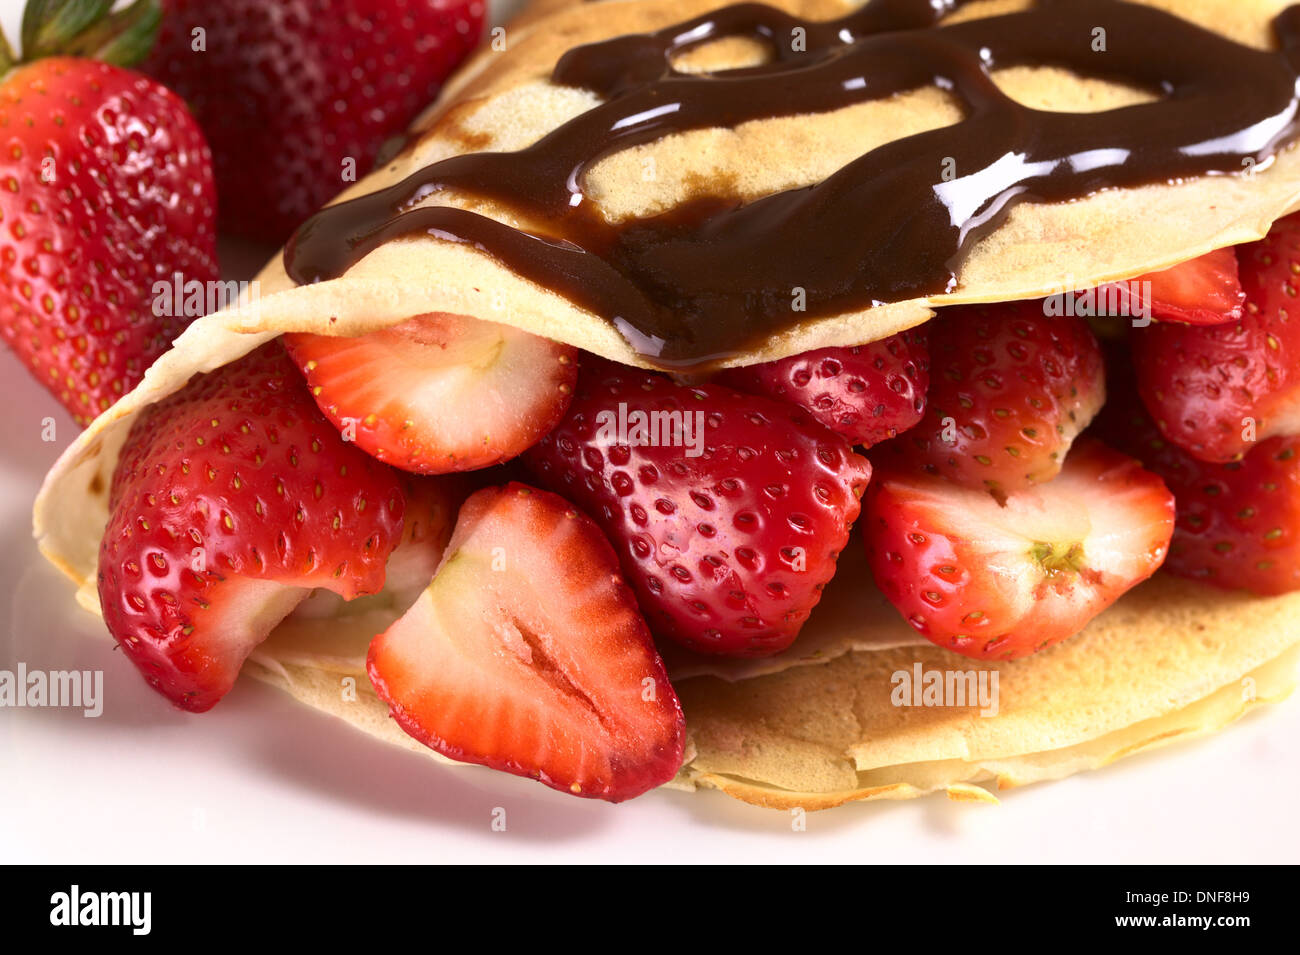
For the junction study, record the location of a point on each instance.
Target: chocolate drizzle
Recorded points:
(715, 275)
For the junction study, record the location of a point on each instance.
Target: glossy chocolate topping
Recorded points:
(716, 275)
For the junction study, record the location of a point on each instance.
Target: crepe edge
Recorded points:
(1276, 678)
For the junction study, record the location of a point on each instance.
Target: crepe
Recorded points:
(811, 727)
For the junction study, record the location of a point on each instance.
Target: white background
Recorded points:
(262, 779)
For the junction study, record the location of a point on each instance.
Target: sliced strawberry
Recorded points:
(1216, 390)
(867, 393)
(527, 654)
(1202, 291)
(439, 393)
(430, 515)
(231, 500)
(1238, 522)
(1010, 389)
(728, 525)
(1001, 581)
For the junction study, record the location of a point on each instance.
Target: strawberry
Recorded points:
(427, 521)
(1205, 290)
(232, 499)
(728, 511)
(527, 654)
(867, 393)
(439, 393)
(1216, 390)
(1238, 523)
(1002, 581)
(106, 189)
(312, 90)
(1010, 388)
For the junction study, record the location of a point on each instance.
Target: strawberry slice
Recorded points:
(527, 654)
(1216, 390)
(431, 506)
(1205, 290)
(232, 499)
(439, 393)
(867, 393)
(1002, 581)
(728, 511)
(1010, 389)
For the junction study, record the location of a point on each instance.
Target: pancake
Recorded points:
(814, 726)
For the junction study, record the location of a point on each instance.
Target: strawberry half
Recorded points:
(1216, 390)
(1205, 290)
(867, 393)
(728, 511)
(427, 521)
(232, 499)
(1010, 389)
(1001, 581)
(439, 393)
(527, 654)
(1238, 521)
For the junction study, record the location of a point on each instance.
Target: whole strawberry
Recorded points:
(106, 190)
(728, 511)
(296, 98)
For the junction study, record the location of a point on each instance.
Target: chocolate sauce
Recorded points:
(716, 275)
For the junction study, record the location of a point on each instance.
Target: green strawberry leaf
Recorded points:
(49, 25)
(87, 28)
(124, 38)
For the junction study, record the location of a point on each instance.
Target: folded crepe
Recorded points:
(819, 724)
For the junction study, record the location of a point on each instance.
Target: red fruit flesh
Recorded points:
(1216, 390)
(527, 654)
(439, 393)
(105, 189)
(1010, 388)
(1001, 581)
(1205, 290)
(231, 500)
(427, 522)
(728, 526)
(867, 393)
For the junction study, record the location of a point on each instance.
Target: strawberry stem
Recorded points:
(1058, 557)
